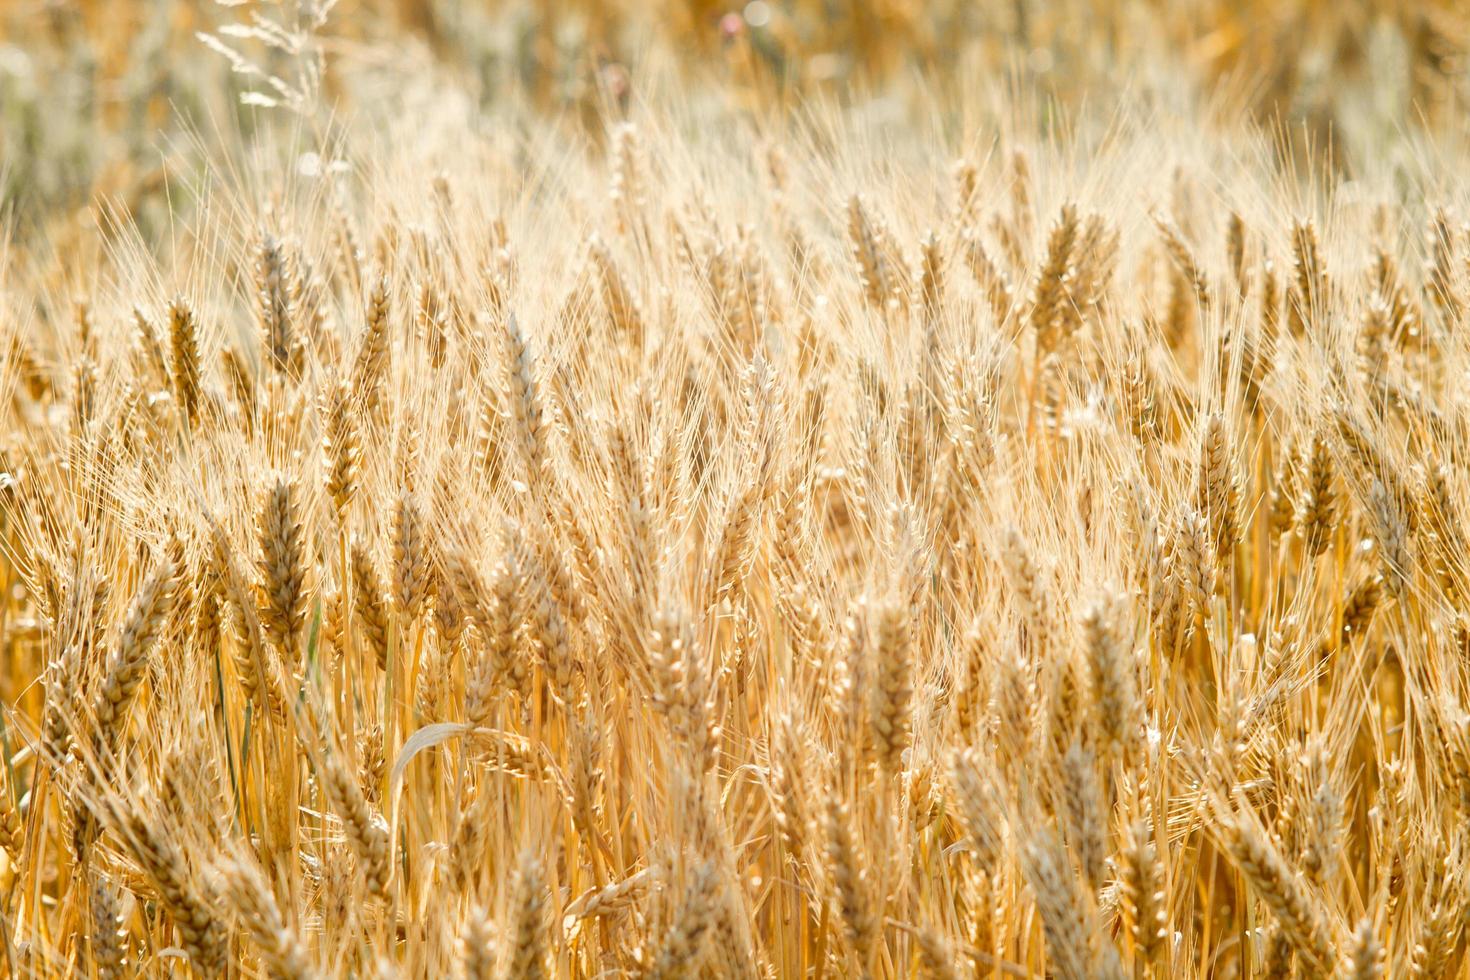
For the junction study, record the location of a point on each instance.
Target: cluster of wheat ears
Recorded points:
(736, 557)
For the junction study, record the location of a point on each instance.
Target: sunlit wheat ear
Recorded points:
(253, 903)
(623, 315)
(1049, 296)
(1029, 585)
(1277, 957)
(1014, 231)
(145, 337)
(1235, 251)
(683, 947)
(491, 608)
(937, 955)
(105, 942)
(1322, 852)
(373, 363)
(1114, 684)
(479, 944)
(183, 334)
(1081, 813)
(850, 882)
(430, 320)
(964, 191)
(242, 386)
(504, 619)
(12, 831)
(867, 253)
(254, 659)
(277, 338)
(1444, 539)
(1317, 512)
(283, 566)
(370, 602)
(931, 278)
(1059, 903)
(1285, 487)
(1360, 606)
(1435, 938)
(1444, 279)
(1011, 709)
(81, 622)
(1373, 338)
(975, 795)
(1183, 258)
(1140, 395)
(523, 399)
(1141, 875)
(410, 559)
(1307, 297)
(184, 893)
(365, 830)
(788, 788)
(1192, 564)
(973, 684)
(526, 952)
(127, 663)
(1283, 890)
(1403, 310)
(548, 626)
(611, 899)
(374, 765)
(1365, 956)
(83, 391)
(1218, 493)
(341, 448)
(1389, 525)
(891, 709)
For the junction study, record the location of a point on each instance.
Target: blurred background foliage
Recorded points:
(96, 97)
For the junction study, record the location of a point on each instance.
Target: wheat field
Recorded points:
(796, 490)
